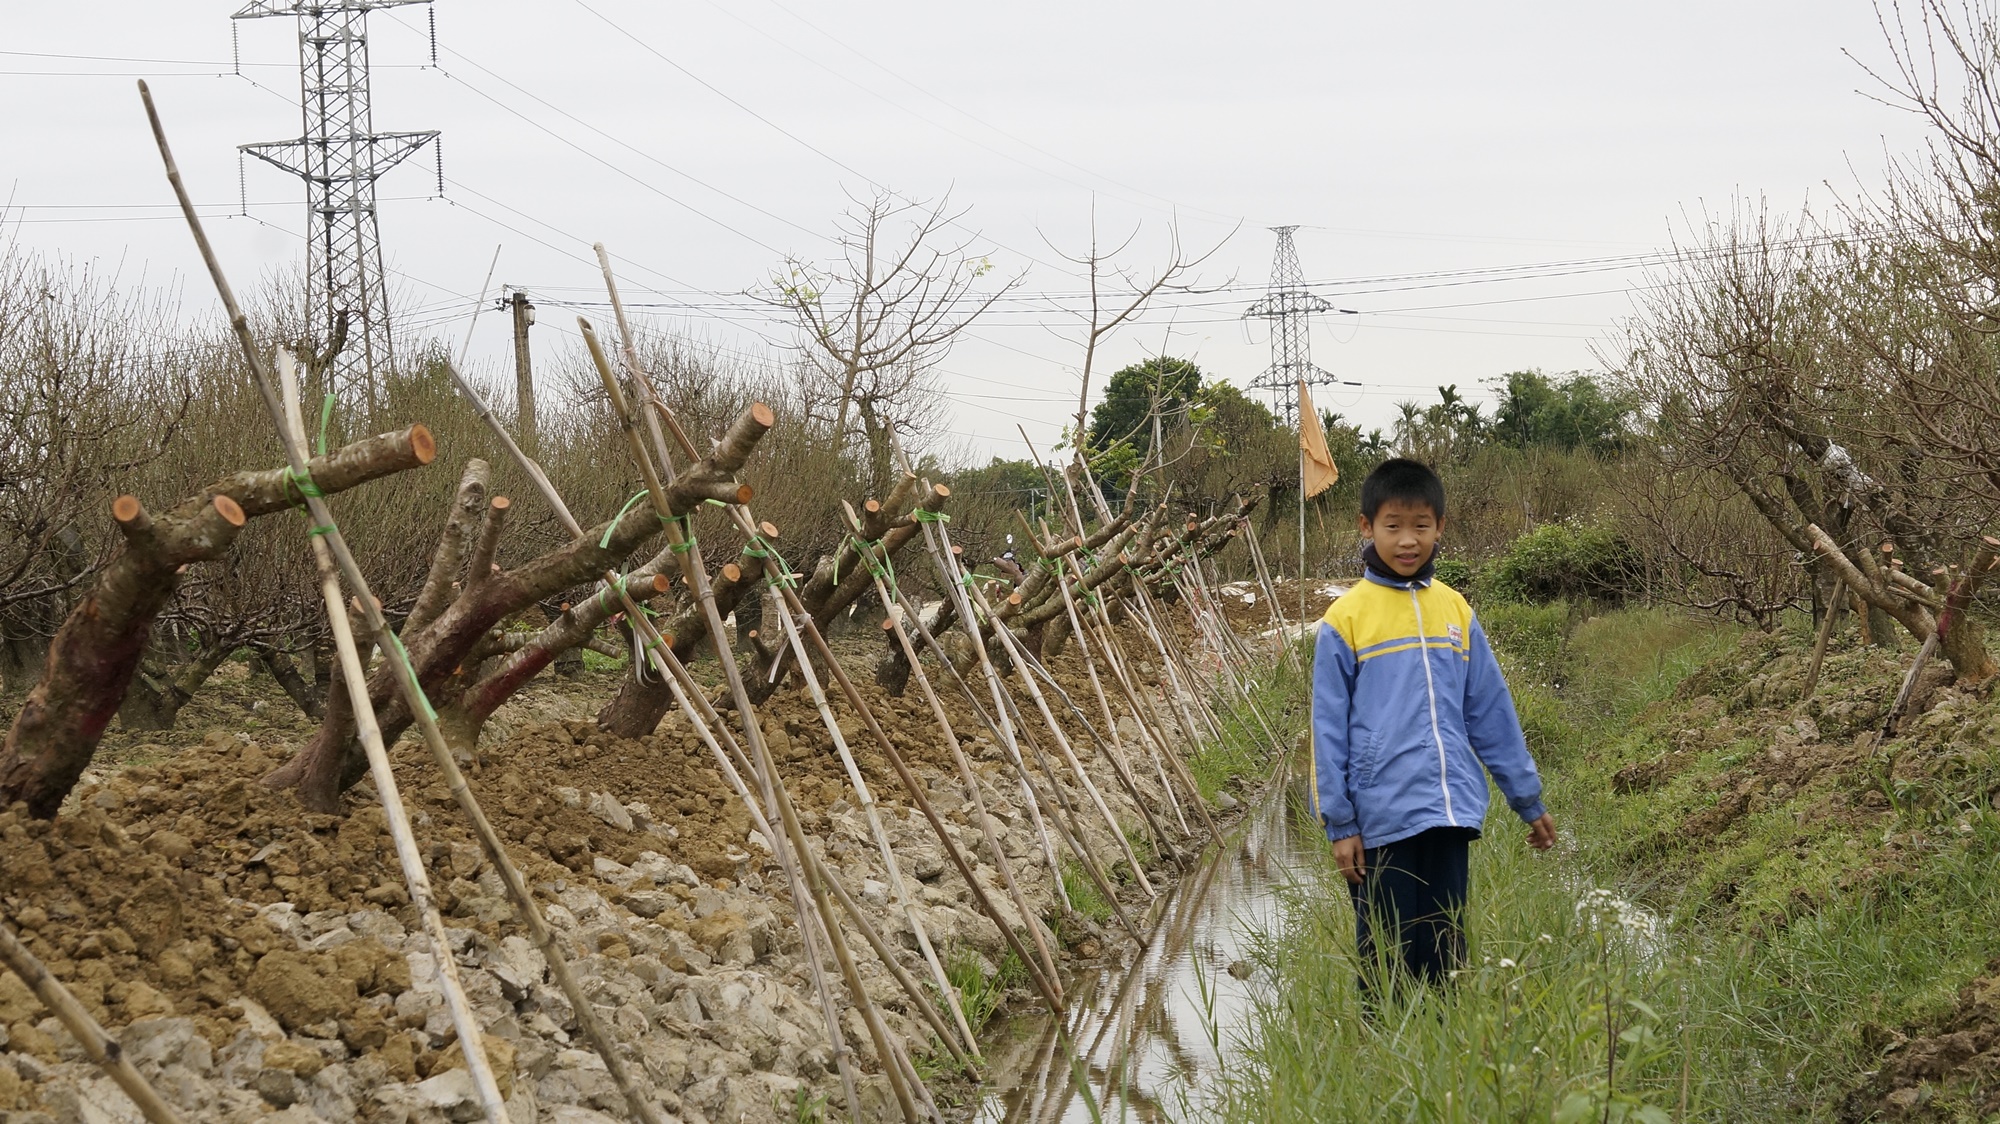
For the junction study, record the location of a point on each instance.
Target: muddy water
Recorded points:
(1150, 1035)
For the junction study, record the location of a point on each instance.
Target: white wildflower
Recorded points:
(1506, 962)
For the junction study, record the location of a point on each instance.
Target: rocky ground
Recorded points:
(261, 962)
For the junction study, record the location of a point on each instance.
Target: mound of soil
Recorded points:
(275, 949)
(1947, 1071)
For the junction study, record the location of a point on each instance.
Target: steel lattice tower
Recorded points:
(1288, 305)
(340, 156)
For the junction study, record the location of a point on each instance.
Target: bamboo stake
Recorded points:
(897, 886)
(939, 548)
(1040, 670)
(465, 1022)
(333, 543)
(614, 583)
(1067, 823)
(98, 1046)
(892, 601)
(1833, 607)
(1116, 748)
(733, 764)
(697, 578)
(853, 770)
(998, 723)
(1151, 721)
(1050, 990)
(1020, 659)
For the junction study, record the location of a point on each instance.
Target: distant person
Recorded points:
(1408, 705)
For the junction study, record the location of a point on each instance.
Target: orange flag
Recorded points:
(1317, 471)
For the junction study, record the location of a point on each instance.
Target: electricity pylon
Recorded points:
(1288, 305)
(340, 156)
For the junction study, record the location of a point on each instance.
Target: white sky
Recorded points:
(1403, 139)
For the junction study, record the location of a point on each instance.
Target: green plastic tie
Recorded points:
(683, 546)
(325, 416)
(605, 542)
(403, 654)
(923, 516)
(302, 482)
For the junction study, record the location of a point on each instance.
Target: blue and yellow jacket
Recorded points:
(1408, 704)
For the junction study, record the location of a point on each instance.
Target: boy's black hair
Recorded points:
(1400, 478)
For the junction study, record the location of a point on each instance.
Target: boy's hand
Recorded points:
(1351, 858)
(1542, 833)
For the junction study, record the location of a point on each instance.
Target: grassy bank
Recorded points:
(1748, 914)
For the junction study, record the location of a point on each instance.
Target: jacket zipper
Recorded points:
(1430, 688)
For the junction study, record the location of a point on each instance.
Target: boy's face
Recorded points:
(1405, 534)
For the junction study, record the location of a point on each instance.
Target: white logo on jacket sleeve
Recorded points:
(1455, 634)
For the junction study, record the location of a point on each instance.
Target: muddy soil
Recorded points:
(261, 962)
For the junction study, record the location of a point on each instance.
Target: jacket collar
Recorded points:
(1378, 571)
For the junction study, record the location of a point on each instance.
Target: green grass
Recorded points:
(1084, 897)
(1244, 757)
(1733, 977)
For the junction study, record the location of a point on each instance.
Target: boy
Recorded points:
(1408, 704)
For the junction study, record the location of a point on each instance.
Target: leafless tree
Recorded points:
(876, 321)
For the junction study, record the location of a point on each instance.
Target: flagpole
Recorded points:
(1302, 527)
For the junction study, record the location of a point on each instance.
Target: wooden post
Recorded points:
(524, 373)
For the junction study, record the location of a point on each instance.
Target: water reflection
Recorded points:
(1147, 1033)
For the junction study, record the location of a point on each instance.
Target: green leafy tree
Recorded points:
(1129, 398)
(1572, 414)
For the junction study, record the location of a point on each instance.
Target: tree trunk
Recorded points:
(638, 707)
(289, 677)
(154, 702)
(332, 761)
(96, 652)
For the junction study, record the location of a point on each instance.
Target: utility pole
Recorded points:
(340, 156)
(524, 373)
(1289, 306)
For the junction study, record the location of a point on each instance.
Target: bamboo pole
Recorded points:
(332, 543)
(697, 578)
(998, 722)
(804, 621)
(897, 885)
(1117, 746)
(939, 547)
(892, 601)
(1150, 719)
(1020, 658)
(614, 583)
(98, 1046)
(733, 764)
(465, 1022)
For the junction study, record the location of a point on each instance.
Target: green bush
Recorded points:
(1566, 561)
(1456, 573)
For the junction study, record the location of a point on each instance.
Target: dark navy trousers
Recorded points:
(1410, 900)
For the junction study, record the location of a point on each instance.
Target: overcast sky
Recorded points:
(704, 141)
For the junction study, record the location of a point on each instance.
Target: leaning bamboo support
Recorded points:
(615, 583)
(98, 1046)
(899, 888)
(796, 620)
(1115, 748)
(697, 578)
(1019, 657)
(733, 764)
(1147, 712)
(940, 550)
(892, 601)
(465, 1022)
(708, 724)
(334, 561)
